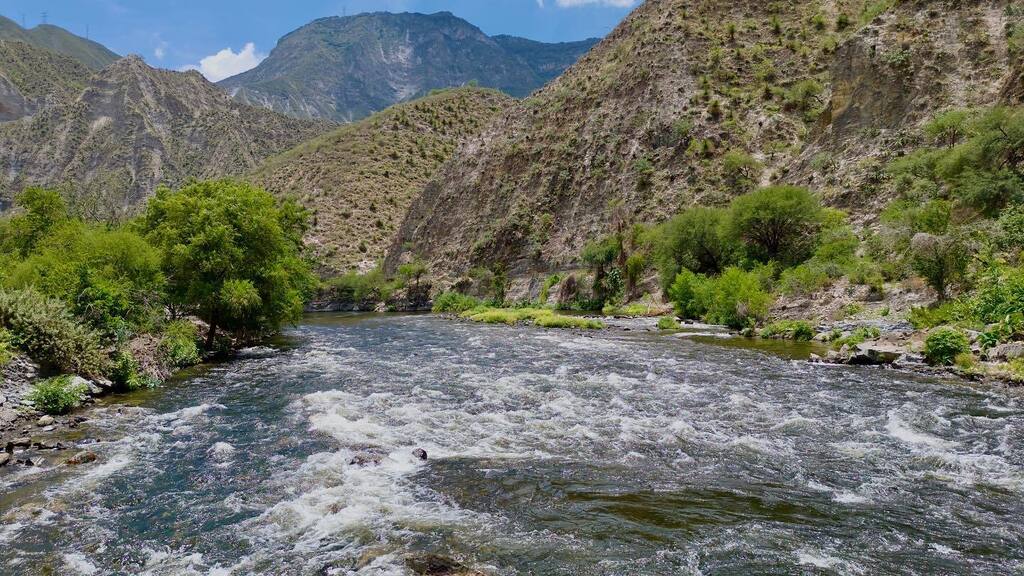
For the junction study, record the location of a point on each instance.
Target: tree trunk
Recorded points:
(211, 335)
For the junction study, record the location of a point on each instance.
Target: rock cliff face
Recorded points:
(669, 110)
(132, 128)
(347, 68)
(359, 179)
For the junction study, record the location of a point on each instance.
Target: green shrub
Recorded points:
(859, 335)
(180, 344)
(736, 298)
(944, 345)
(57, 395)
(6, 347)
(45, 329)
(668, 323)
(562, 321)
(789, 330)
(454, 303)
(545, 289)
(803, 280)
(127, 375)
(778, 223)
(941, 260)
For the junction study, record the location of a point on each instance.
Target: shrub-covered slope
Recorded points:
(360, 179)
(697, 102)
(134, 127)
(31, 77)
(56, 39)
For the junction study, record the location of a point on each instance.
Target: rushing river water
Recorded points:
(549, 453)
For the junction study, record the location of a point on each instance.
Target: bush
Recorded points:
(941, 260)
(46, 330)
(6, 347)
(562, 321)
(180, 344)
(859, 335)
(668, 323)
(803, 280)
(944, 345)
(736, 298)
(454, 303)
(57, 395)
(789, 330)
(127, 374)
(545, 289)
(779, 223)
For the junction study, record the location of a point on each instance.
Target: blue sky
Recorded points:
(235, 34)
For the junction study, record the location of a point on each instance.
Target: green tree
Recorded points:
(777, 223)
(696, 239)
(44, 211)
(231, 255)
(948, 128)
(741, 170)
(412, 272)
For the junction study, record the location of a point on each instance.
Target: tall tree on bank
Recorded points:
(232, 255)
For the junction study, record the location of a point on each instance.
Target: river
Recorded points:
(549, 452)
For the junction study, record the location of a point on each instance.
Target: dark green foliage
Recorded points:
(231, 254)
(46, 330)
(180, 344)
(944, 345)
(741, 170)
(126, 373)
(454, 303)
(697, 239)
(737, 298)
(44, 211)
(57, 396)
(779, 223)
(368, 288)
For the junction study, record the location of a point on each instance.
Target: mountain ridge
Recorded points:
(90, 53)
(345, 68)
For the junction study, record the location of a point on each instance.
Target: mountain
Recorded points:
(345, 68)
(360, 179)
(32, 77)
(92, 54)
(132, 128)
(685, 100)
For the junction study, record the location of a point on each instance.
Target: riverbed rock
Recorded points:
(875, 354)
(23, 442)
(437, 565)
(83, 457)
(420, 453)
(5, 458)
(366, 459)
(1006, 352)
(45, 421)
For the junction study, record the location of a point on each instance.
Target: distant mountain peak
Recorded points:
(347, 67)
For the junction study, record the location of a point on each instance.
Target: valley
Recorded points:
(736, 288)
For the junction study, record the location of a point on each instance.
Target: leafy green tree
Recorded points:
(948, 128)
(231, 255)
(697, 239)
(412, 272)
(44, 211)
(600, 255)
(741, 170)
(778, 223)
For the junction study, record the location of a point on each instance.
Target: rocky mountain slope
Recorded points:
(56, 39)
(132, 128)
(32, 77)
(694, 102)
(360, 179)
(345, 68)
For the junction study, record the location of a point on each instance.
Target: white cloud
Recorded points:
(160, 51)
(577, 3)
(227, 63)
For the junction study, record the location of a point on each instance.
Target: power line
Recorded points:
(45, 15)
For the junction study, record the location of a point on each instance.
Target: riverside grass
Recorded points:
(542, 317)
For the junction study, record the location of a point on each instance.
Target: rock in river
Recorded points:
(45, 421)
(4, 458)
(83, 457)
(420, 453)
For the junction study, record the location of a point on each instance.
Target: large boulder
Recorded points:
(1006, 352)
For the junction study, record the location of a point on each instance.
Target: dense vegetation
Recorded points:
(123, 302)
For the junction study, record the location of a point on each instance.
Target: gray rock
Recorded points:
(420, 453)
(1008, 351)
(875, 354)
(45, 421)
(3, 399)
(5, 458)
(24, 442)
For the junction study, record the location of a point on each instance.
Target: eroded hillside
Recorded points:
(133, 128)
(360, 179)
(696, 102)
